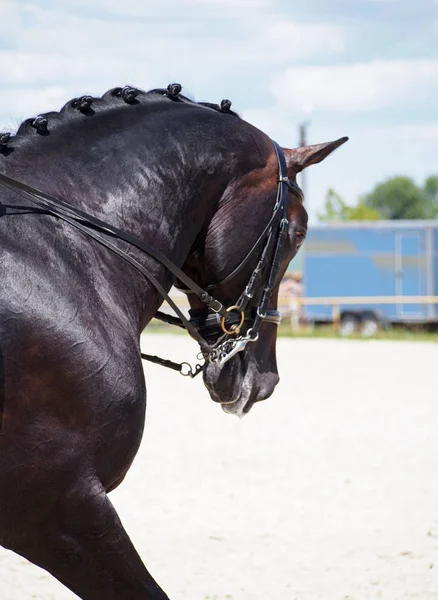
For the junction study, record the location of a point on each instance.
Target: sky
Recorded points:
(363, 68)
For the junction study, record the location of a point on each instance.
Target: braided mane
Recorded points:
(89, 105)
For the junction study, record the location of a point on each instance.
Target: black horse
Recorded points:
(199, 185)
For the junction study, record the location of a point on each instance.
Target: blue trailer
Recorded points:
(372, 258)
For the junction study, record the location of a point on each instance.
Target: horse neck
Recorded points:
(137, 174)
(130, 171)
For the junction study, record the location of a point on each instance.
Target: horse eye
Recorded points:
(299, 238)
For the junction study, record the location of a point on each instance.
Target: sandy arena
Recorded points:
(327, 491)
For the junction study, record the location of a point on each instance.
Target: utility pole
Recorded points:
(302, 130)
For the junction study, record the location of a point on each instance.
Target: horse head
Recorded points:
(237, 230)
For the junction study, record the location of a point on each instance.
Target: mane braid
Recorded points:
(86, 105)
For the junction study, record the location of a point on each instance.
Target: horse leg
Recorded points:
(70, 433)
(83, 544)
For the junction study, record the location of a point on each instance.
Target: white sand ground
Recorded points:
(327, 491)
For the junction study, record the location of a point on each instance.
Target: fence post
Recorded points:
(295, 309)
(336, 314)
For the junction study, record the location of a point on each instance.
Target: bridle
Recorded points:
(209, 322)
(216, 318)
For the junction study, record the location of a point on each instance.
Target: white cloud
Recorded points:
(373, 153)
(300, 40)
(356, 87)
(30, 67)
(407, 133)
(15, 105)
(258, 41)
(175, 8)
(91, 54)
(235, 4)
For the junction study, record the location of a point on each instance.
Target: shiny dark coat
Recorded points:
(197, 183)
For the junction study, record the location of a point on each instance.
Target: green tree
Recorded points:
(395, 198)
(431, 192)
(362, 212)
(335, 209)
(400, 198)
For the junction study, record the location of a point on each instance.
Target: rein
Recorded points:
(228, 320)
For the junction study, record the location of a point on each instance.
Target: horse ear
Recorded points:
(298, 159)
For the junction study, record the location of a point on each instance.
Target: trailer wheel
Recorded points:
(349, 324)
(370, 325)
